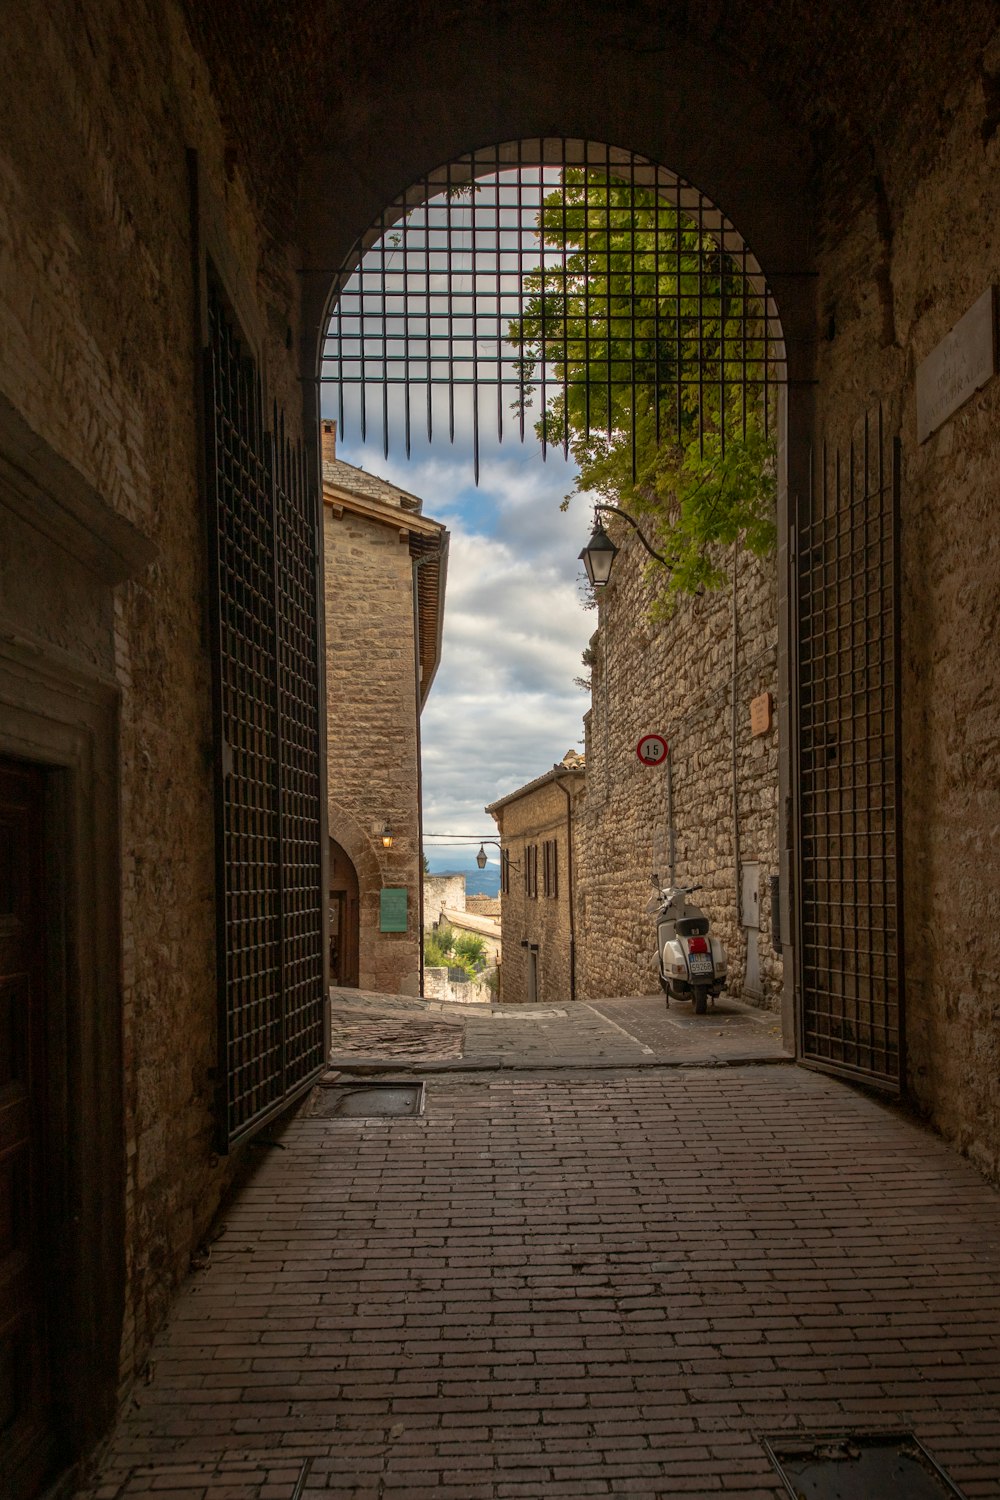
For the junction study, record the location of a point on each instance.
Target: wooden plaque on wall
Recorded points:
(761, 713)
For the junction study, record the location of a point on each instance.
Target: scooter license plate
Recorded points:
(700, 963)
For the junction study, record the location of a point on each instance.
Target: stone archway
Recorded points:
(792, 294)
(685, 106)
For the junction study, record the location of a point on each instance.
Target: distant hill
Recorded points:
(477, 882)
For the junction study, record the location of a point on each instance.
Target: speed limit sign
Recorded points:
(652, 749)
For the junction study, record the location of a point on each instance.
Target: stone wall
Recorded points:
(906, 245)
(439, 986)
(373, 735)
(98, 361)
(539, 924)
(677, 680)
(440, 891)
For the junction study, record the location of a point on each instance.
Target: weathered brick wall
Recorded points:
(372, 732)
(97, 355)
(534, 819)
(677, 680)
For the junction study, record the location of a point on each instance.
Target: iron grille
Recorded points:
(300, 782)
(849, 816)
(266, 690)
(448, 308)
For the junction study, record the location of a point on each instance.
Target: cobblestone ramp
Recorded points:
(605, 1284)
(633, 1031)
(354, 1034)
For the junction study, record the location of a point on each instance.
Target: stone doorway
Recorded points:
(29, 1437)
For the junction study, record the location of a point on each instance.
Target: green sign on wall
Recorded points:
(392, 912)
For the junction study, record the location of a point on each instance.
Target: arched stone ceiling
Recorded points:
(764, 104)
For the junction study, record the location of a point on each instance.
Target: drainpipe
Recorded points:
(736, 787)
(417, 563)
(569, 881)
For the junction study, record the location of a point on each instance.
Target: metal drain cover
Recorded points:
(858, 1466)
(368, 1101)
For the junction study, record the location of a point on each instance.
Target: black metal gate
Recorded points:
(849, 811)
(263, 558)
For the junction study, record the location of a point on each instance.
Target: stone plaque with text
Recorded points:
(964, 361)
(392, 909)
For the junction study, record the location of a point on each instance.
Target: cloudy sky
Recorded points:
(504, 706)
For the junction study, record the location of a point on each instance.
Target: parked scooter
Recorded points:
(692, 963)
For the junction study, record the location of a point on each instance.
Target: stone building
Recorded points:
(385, 574)
(539, 902)
(446, 904)
(175, 206)
(712, 805)
(446, 889)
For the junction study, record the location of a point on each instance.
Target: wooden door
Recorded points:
(345, 914)
(28, 1447)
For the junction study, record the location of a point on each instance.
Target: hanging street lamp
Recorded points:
(600, 552)
(598, 555)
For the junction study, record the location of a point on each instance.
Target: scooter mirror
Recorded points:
(655, 879)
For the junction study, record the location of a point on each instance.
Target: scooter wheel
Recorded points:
(700, 1002)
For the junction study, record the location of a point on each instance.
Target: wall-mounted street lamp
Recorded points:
(482, 856)
(386, 836)
(600, 552)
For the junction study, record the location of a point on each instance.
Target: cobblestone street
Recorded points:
(582, 1279)
(634, 1031)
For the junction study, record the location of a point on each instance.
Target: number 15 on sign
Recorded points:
(652, 749)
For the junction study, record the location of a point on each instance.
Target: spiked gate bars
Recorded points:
(552, 277)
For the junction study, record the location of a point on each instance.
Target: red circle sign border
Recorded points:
(661, 759)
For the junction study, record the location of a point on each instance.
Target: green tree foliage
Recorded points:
(435, 956)
(471, 947)
(445, 937)
(444, 949)
(655, 344)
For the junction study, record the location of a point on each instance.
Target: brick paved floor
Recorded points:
(572, 1285)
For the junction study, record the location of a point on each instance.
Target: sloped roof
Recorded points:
(483, 906)
(354, 481)
(572, 764)
(470, 921)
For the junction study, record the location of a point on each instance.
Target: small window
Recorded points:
(531, 870)
(551, 867)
